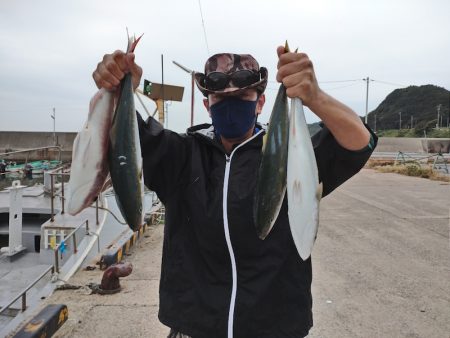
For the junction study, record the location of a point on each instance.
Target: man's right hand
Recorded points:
(113, 68)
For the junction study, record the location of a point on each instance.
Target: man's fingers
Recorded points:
(112, 69)
(290, 57)
(292, 80)
(133, 67)
(119, 58)
(136, 71)
(297, 66)
(105, 73)
(101, 83)
(280, 50)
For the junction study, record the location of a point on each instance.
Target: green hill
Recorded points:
(420, 102)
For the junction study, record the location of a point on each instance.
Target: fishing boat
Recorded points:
(14, 170)
(42, 246)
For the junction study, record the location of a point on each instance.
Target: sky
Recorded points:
(49, 50)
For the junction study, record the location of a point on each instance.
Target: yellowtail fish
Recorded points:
(124, 156)
(303, 189)
(271, 181)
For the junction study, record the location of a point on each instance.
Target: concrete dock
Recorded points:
(381, 268)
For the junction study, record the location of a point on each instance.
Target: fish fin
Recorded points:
(264, 142)
(287, 49)
(319, 191)
(297, 192)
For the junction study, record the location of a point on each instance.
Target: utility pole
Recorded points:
(400, 124)
(411, 122)
(162, 88)
(187, 70)
(375, 127)
(438, 111)
(54, 125)
(367, 97)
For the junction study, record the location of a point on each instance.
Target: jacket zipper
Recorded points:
(227, 235)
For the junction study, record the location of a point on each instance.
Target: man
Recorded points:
(206, 180)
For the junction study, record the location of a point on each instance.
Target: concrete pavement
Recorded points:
(381, 268)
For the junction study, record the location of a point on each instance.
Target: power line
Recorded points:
(338, 81)
(351, 85)
(204, 29)
(390, 83)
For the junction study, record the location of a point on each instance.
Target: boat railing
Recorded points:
(72, 234)
(53, 173)
(23, 294)
(60, 171)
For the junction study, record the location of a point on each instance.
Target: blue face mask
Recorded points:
(233, 117)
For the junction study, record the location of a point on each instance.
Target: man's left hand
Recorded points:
(296, 71)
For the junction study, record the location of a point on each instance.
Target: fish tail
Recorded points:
(132, 46)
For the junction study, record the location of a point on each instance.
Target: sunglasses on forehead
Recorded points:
(241, 78)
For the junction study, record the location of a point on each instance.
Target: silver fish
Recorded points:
(124, 156)
(303, 189)
(89, 167)
(271, 181)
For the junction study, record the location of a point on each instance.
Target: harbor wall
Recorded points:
(22, 140)
(17, 140)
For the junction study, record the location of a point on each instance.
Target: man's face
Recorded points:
(247, 95)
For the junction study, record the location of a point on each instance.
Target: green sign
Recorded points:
(147, 87)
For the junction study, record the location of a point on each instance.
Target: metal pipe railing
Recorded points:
(52, 197)
(23, 294)
(56, 172)
(60, 172)
(73, 235)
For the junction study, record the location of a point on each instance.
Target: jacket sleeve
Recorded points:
(164, 155)
(335, 163)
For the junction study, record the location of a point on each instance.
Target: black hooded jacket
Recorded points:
(270, 293)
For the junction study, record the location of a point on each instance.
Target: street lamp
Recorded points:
(187, 70)
(54, 125)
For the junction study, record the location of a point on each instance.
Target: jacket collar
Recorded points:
(206, 133)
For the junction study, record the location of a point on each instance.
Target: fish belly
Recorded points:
(125, 159)
(303, 189)
(89, 167)
(271, 181)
